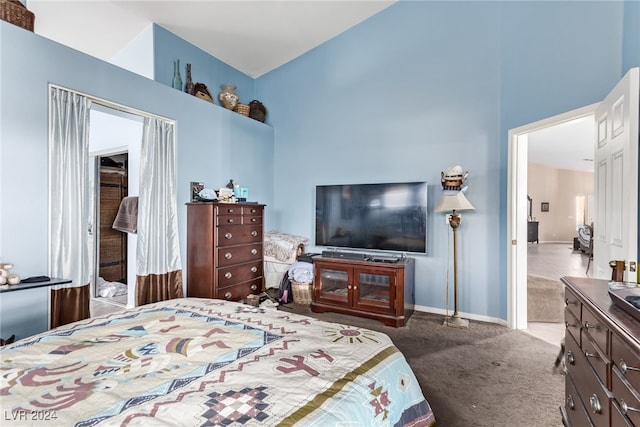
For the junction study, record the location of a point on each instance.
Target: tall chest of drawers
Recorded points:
(224, 250)
(602, 358)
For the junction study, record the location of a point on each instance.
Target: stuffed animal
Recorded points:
(5, 274)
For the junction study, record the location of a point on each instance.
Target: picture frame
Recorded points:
(544, 207)
(196, 187)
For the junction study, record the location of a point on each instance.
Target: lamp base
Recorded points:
(456, 322)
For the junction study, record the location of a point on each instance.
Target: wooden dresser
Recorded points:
(602, 358)
(224, 250)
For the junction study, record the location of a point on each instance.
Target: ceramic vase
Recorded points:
(189, 86)
(228, 96)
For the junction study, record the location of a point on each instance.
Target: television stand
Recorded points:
(381, 290)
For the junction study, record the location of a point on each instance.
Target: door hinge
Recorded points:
(514, 242)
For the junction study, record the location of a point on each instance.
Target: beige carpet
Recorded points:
(545, 299)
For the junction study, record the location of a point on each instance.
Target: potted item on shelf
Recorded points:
(16, 13)
(200, 90)
(228, 96)
(257, 111)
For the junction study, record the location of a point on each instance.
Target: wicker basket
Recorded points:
(242, 109)
(16, 13)
(302, 292)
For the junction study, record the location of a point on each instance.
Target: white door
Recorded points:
(616, 179)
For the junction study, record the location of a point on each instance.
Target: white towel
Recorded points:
(301, 272)
(127, 216)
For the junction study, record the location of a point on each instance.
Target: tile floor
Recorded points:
(554, 260)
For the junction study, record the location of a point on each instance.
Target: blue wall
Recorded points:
(204, 67)
(213, 144)
(416, 88)
(425, 85)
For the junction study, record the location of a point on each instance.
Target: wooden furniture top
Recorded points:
(595, 293)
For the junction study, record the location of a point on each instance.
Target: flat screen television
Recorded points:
(385, 217)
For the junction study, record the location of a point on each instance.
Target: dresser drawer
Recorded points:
(593, 394)
(230, 255)
(228, 276)
(617, 418)
(595, 357)
(229, 220)
(572, 303)
(572, 324)
(627, 360)
(234, 235)
(229, 209)
(596, 329)
(252, 210)
(575, 411)
(625, 396)
(241, 290)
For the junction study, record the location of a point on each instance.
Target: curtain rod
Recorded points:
(113, 105)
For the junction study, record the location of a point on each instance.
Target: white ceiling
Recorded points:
(569, 145)
(254, 37)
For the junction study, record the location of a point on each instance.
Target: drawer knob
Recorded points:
(594, 355)
(254, 269)
(254, 287)
(254, 219)
(231, 210)
(567, 302)
(228, 275)
(254, 251)
(624, 367)
(228, 295)
(570, 403)
(228, 236)
(626, 408)
(253, 211)
(588, 325)
(571, 359)
(230, 220)
(254, 233)
(228, 255)
(594, 402)
(349, 287)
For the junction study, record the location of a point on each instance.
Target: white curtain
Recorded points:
(70, 252)
(159, 270)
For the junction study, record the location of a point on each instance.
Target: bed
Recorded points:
(193, 362)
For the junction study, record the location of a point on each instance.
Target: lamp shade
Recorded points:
(454, 202)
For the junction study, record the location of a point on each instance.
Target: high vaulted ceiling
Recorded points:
(254, 37)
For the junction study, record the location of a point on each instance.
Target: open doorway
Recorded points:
(111, 268)
(519, 215)
(115, 145)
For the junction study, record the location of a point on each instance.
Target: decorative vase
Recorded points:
(228, 96)
(177, 79)
(189, 87)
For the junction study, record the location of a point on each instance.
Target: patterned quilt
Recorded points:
(194, 362)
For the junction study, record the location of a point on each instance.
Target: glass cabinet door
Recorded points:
(375, 290)
(334, 286)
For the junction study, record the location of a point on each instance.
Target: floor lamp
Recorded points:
(453, 202)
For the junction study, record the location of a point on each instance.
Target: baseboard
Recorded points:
(467, 316)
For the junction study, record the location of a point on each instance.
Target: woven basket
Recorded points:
(302, 292)
(242, 109)
(16, 13)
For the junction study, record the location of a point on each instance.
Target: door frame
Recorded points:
(517, 210)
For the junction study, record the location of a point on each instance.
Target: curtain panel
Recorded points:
(158, 265)
(69, 248)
